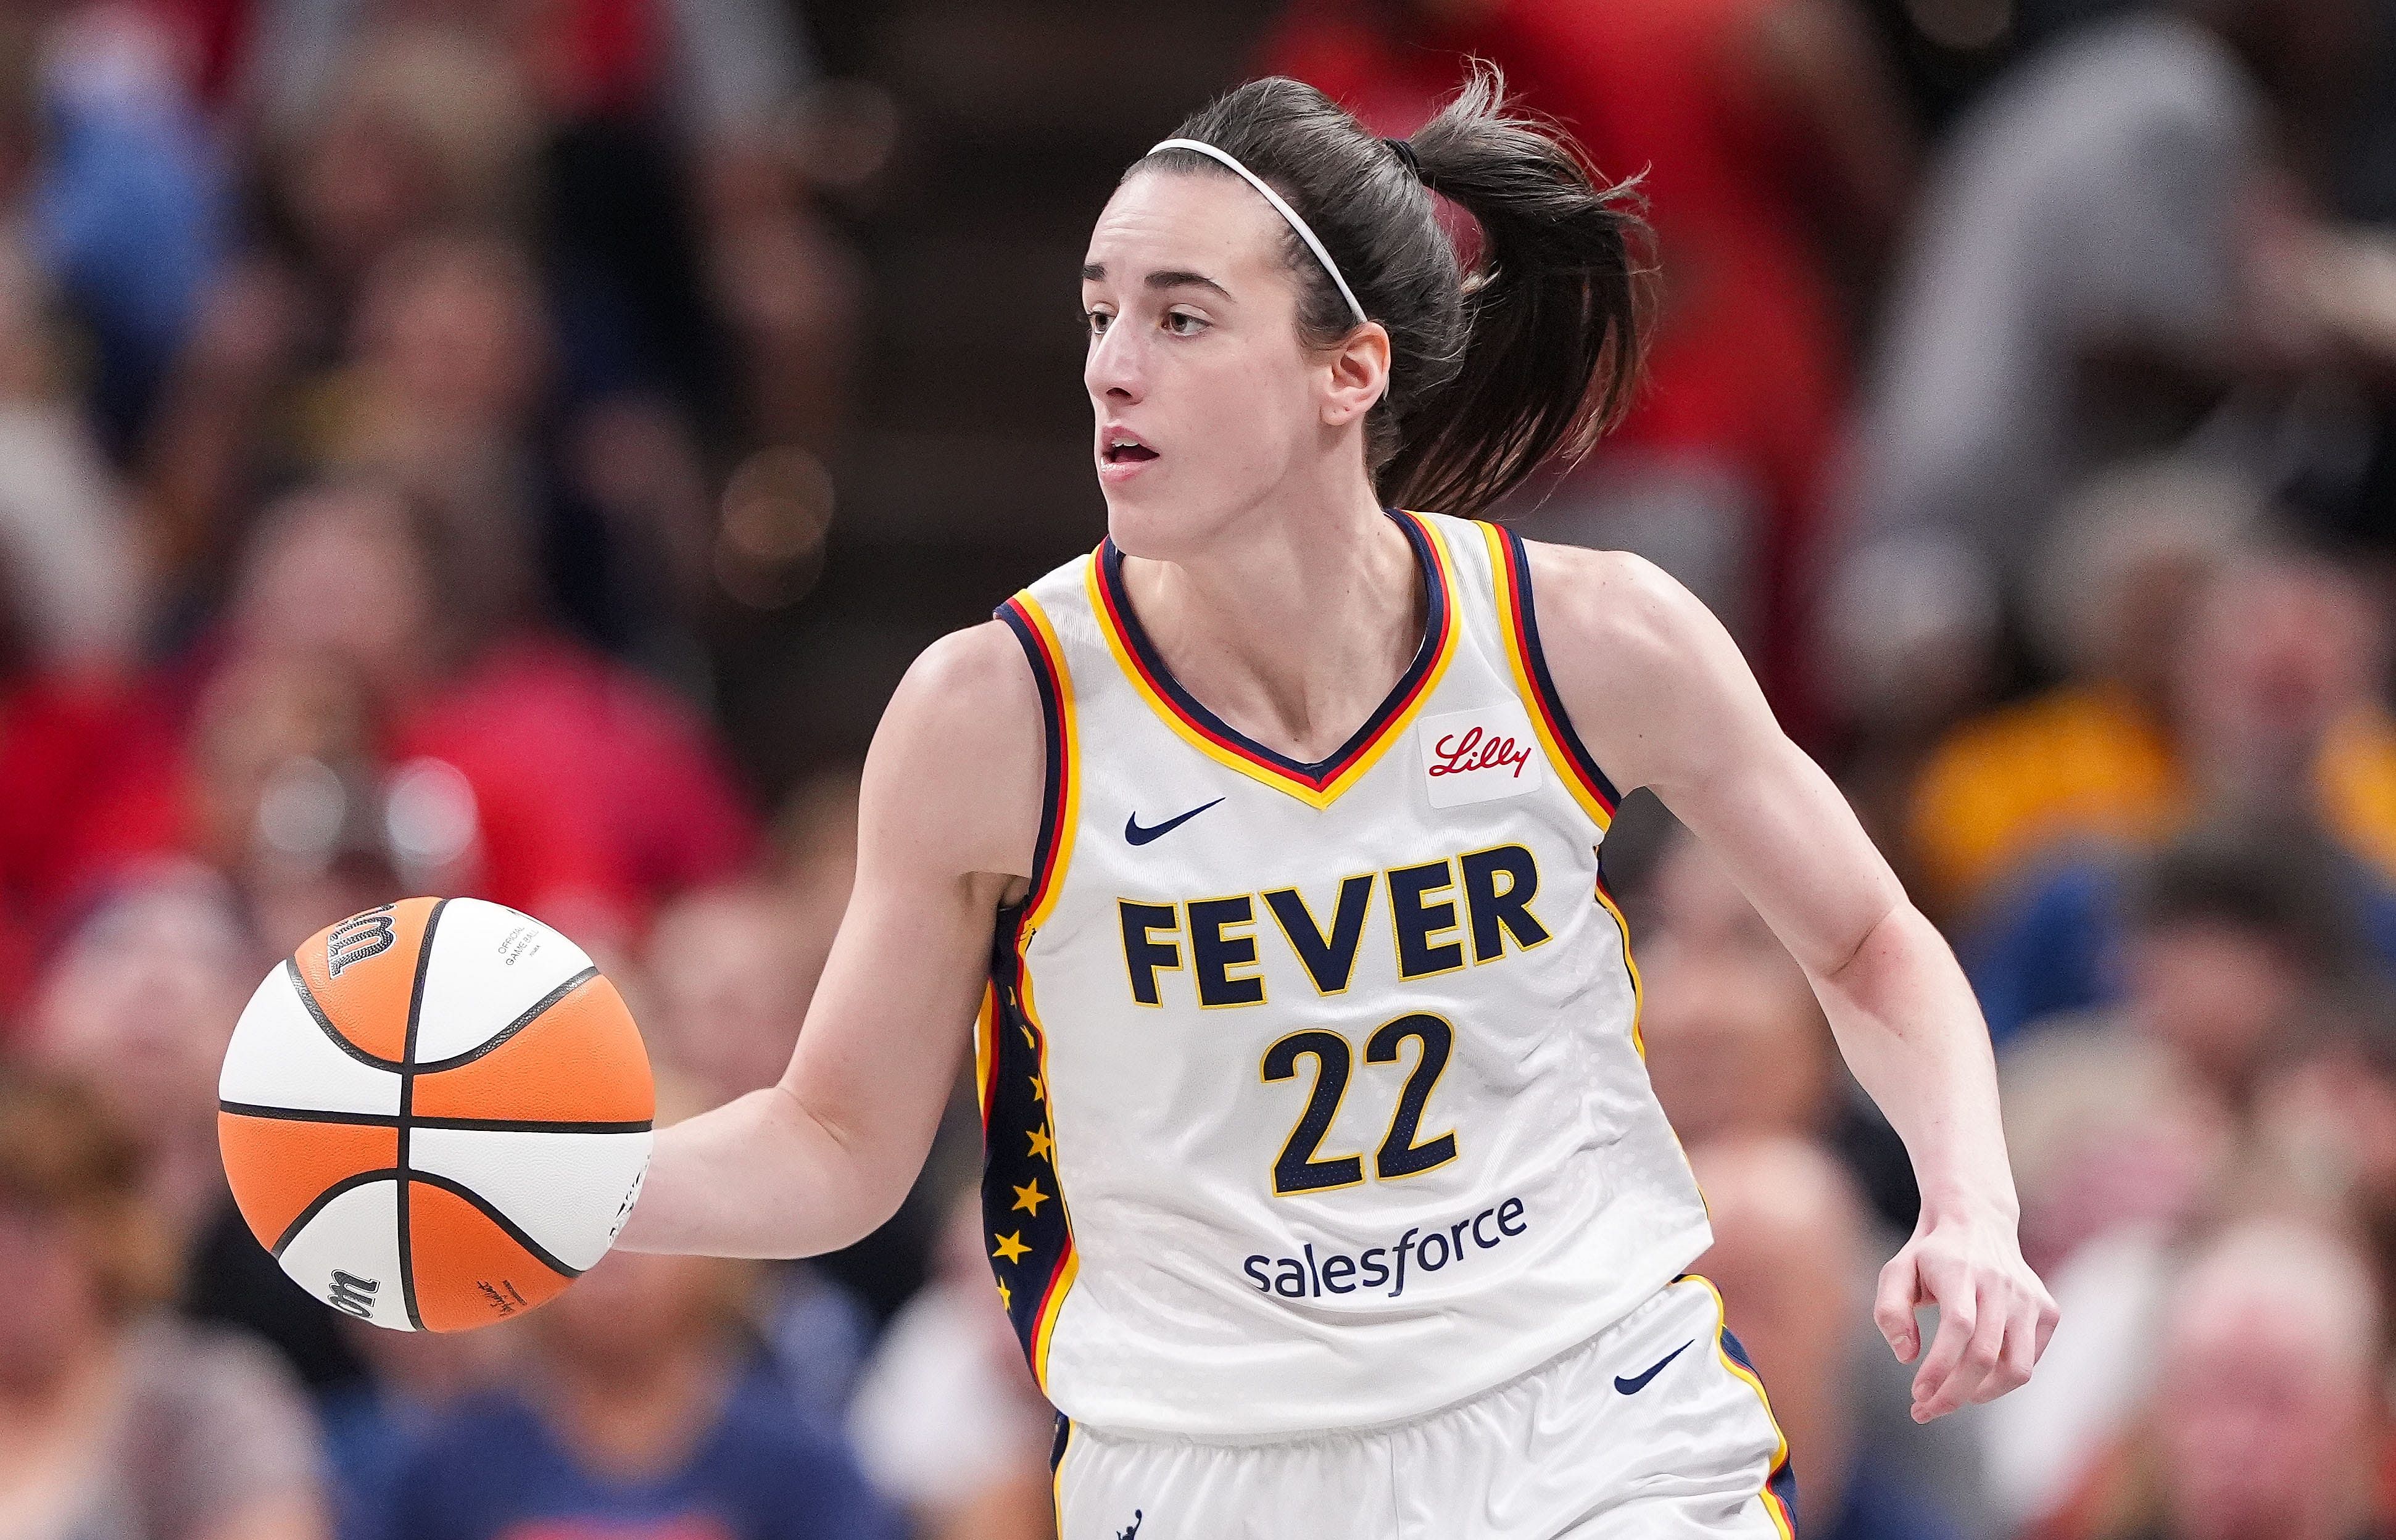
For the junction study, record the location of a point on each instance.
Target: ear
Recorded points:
(1359, 375)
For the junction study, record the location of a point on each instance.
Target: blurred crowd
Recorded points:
(396, 394)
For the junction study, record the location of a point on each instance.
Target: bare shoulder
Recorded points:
(1649, 677)
(979, 673)
(954, 778)
(1614, 599)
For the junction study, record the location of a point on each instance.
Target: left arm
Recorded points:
(1662, 698)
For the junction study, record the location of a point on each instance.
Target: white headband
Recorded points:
(1279, 207)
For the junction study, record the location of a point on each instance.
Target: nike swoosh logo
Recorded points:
(1632, 1386)
(1134, 835)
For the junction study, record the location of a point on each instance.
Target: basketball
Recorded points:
(435, 1114)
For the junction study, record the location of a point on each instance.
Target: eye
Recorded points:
(1172, 318)
(1094, 320)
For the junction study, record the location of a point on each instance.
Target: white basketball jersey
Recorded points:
(1312, 1095)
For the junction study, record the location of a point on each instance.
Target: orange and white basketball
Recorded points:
(435, 1114)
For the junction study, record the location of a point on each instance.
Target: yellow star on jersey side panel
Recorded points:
(1032, 1237)
(1006, 1299)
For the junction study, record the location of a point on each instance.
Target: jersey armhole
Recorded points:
(1060, 783)
(1518, 618)
(1035, 1264)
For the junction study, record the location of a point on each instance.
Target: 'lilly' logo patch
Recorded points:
(1480, 755)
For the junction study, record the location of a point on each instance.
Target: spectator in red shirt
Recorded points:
(371, 715)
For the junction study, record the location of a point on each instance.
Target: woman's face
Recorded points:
(636, 1310)
(336, 571)
(1193, 349)
(143, 999)
(53, 1293)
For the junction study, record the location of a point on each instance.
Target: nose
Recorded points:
(1114, 371)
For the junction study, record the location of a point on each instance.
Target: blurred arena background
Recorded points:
(513, 447)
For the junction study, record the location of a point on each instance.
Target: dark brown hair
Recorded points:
(2276, 876)
(1532, 353)
(62, 1153)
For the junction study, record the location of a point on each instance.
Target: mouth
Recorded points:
(1121, 447)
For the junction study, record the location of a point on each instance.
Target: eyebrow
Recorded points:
(1165, 278)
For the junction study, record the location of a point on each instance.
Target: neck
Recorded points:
(75, 1380)
(1294, 623)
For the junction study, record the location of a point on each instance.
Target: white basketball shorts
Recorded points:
(1657, 1428)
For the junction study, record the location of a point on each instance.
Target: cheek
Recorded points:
(52, 1291)
(1249, 387)
(1261, 426)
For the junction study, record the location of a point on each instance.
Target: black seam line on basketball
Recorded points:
(406, 1105)
(417, 1120)
(511, 1028)
(316, 1206)
(416, 999)
(308, 998)
(540, 1254)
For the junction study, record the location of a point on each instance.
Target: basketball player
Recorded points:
(1324, 1185)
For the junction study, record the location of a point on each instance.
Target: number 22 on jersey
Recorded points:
(1296, 1170)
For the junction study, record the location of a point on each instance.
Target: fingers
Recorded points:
(1979, 1327)
(1995, 1320)
(2017, 1357)
(1893, 1306)
(2010, 1331)
(1959, 1324)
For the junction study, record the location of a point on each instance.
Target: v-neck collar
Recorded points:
(1316, 784)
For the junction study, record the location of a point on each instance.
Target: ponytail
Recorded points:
(1533, 353)
(1554, 315)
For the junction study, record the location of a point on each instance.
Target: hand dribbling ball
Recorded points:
(435, 1114)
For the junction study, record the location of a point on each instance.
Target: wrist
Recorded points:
(1963, 1204)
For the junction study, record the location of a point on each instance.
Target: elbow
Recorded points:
(846, 1223)
(858, 1187)
(1897, 929)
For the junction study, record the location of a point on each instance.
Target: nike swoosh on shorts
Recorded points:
(1634, 1386)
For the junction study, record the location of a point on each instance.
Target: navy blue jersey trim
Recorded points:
(1321, 771)
(1519, 562)
(1783, 1478)
(1026, 1247)
(1051, 738)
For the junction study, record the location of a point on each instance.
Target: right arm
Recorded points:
(947, 820)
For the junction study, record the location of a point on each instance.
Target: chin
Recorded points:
(1161, 528)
